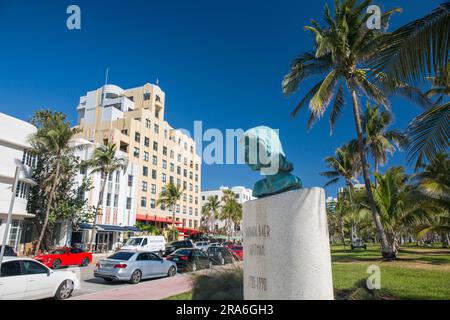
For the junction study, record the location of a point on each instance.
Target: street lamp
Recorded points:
(9, 220)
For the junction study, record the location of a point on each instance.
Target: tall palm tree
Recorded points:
(345, 164)
(378, 140)
(169, 197)
(230, 212)
(341, 52)
(211, 210)
(105, 161)
(52, 138)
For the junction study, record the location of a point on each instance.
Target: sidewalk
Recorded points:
(147, 290)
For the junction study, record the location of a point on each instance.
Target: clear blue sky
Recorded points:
(218, 61)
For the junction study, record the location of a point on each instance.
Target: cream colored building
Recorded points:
(133, 119)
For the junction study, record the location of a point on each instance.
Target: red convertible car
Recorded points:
(62, 257)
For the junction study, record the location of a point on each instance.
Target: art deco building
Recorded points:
(133, 119)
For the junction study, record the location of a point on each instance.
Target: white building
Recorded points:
(242, 195)
(117, 217)
(14, 151)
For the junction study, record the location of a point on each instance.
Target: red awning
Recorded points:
(188, 230)
(142, 217)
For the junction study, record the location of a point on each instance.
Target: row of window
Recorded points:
(146, 156)
(145, 173)
(178, 208)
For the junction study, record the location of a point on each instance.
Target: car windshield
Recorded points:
(183, 252)
(177, 243)
(134, 242)
(213, 249)
(58, 251)
(124, 256)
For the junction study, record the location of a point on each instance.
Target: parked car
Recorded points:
(156, 244)
(220, 255)
(202, 245)
(190, 259)
(9, 252)
(28, 279)
(358, 243)
(134, 266)
(227, 244)
(238, 252)
(214, 244)
(63, 257)
(178, 245)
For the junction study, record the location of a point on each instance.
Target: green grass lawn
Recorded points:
(418, 273)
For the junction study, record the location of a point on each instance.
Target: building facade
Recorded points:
(133, 119)
(242, 195)
(15, 152)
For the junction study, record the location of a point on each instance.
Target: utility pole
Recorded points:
(9, 220)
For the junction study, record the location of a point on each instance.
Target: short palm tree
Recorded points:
(342, 50)
(105, 161)
(345, 164)
(211, 210)
(169, 197)
(53, 139)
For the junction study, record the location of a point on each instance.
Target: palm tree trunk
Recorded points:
(342, 232)
(99, 203)
(49, 206)
(173, 222)
(375, 170)
(386, 250)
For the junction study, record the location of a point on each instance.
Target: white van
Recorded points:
(155, 244)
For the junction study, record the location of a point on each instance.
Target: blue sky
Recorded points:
(218, 61)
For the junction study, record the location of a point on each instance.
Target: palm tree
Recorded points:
(341, 211)
(400, 205)
(378, 140)
(169, 198)
(231, 210)
(104, 161)
(345, 164)
(211, 209)
(342, 49)
(52, 138)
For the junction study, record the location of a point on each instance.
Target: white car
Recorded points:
(202, 245)
(28, 279)
(214, 244)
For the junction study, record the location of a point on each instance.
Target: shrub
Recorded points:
(225, 284)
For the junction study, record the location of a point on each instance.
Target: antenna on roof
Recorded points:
(106, 77)
(157, 81)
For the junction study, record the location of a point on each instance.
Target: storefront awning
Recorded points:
(142, 217)
(188, 230)
(108, 227)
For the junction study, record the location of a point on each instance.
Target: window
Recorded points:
(31, 267)
(196, 200)
(191, 176)
(190, 199)
(172, 154)
(152, 203)
(108, 199)
(155, 160)
(124, 131)
(22, 190)
(137, 137)
(179, 158)
(172, 167)
(130, 180)
(158, 98)
(156, 128)
(145, 171)
(144, 186)
(153, 188)
(185, 173)
(147, 96)
(178, 208)
(196, 178)
(165, 134)
(184, 185)
(185, 146)
(155, 146)
(192, 149)
(178, 182)
(178, 170)
(196, 189)
(128, 203)
(143, 202)
(28, 159)
(164, 164)
(116, 200)
(148, 123)
(171, 180)
(136, 152)
(184, 197)
(190, 186)
(157, 113)
(146, 156)
(10, 269)
(190, 211)
(196, 211)
(154, 174)
(196, 167)
(146, 142)
(164, 178)
(165, 151)
(184, 209)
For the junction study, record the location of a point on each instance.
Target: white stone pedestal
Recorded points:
(286, 247)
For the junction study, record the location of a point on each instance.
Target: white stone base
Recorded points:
(286, 247)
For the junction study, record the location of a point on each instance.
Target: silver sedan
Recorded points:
(134, 266)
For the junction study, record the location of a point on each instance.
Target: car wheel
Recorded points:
(64, 290)
(172, 271)
(194, 267)
(136, 277)
(56, 264)
(85, 262)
